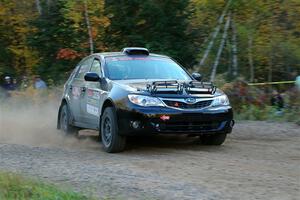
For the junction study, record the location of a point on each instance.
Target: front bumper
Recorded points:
(164, 120)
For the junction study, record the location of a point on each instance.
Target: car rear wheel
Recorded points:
(217, 139)
(65, 125)
(111, 140)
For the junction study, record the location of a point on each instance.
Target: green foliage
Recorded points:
(254, 112)
(160, 26)
(16, 57)
(254, 103)
(272, 26)
(54, 32)
(75, 12)
(16, 187)
(52, 41)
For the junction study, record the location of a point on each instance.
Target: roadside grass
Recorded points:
(268, 113)
(14, 187)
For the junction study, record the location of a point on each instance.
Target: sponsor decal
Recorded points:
(93, 110)
(90, 92)
(165, 117)
(93, 102)
(76, 92)
(93, 94)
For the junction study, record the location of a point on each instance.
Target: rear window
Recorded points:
(144, 67)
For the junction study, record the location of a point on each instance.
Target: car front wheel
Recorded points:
(111, 140)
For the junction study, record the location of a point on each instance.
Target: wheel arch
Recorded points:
(107, 103)
(63, 102)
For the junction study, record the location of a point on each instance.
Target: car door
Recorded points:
(93, 97)
(78, 90)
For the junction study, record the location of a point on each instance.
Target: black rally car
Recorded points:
(136, 92)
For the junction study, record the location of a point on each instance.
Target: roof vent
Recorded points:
(136, 51)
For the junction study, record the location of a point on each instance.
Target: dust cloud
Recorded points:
(34, 124)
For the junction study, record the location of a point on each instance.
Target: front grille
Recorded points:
(182, 105)
(189, 126)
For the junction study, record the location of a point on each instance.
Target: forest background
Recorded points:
(230, 42)
(253, 39)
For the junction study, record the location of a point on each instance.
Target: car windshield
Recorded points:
(141, 67)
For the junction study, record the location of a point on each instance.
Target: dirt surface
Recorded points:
(260, 160)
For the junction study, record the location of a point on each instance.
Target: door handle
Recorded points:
(83, 89)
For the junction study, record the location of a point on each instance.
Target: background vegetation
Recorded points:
(47, 37)
(228, 41)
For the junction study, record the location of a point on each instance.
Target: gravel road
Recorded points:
(260, 160)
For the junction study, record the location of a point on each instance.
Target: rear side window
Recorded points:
(84, 68)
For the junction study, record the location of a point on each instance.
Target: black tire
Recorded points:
(217, 139)
(111, 140)
(65, 125)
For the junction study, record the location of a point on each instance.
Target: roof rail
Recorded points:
(136, 51)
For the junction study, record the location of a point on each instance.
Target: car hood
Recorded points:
(140, 86)
(137, 85)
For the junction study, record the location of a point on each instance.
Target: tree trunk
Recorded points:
(215, 34)
(224, 37)
(38, 6)
(229, 68)
(270, 70)
(87, 21)
(234, 50)
(250, 58)
(49, 3)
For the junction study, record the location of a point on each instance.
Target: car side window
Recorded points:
(96, 67)
(84, 68)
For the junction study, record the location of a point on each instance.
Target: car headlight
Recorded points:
(144, 100)
(221, 101)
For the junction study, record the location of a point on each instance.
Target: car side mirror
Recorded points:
(197, 76)
(91, 76)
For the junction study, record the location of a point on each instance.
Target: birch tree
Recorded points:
(234, 49)
(89, 28)
(215, 34)
(223, 40)
(38, 6)
(88, 18)
(250, 57)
